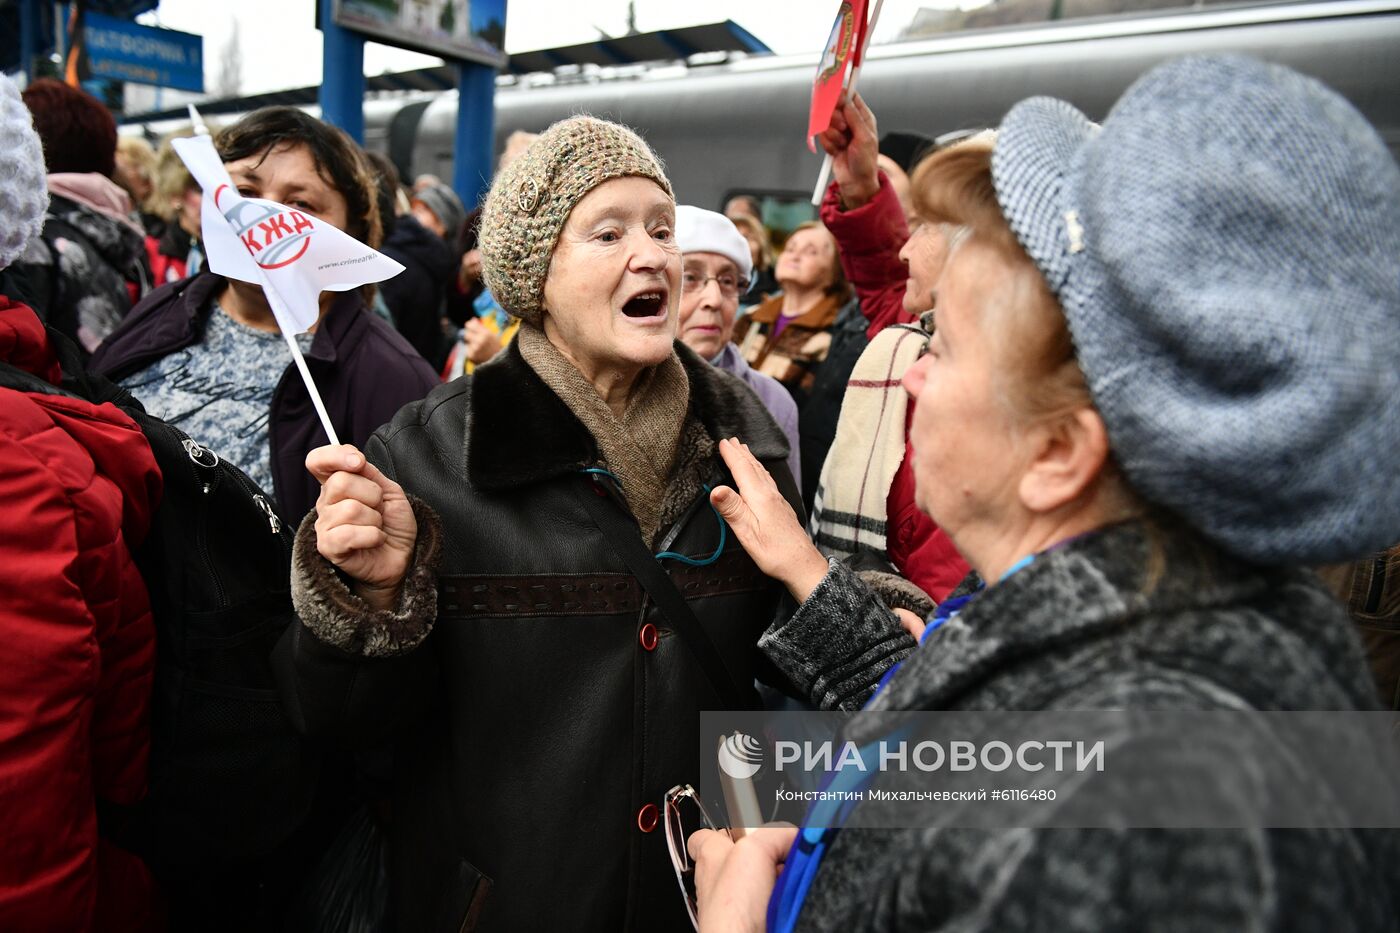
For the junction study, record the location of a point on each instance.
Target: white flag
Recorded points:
(291, 254)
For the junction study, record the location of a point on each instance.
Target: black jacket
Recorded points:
(364, 370)
(416, 295)
(87, 269)
(551, 706)
(1086, 627)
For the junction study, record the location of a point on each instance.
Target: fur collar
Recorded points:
(519, 432)
(820, 317)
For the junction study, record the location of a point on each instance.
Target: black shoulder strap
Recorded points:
(622, 536)
(12, 377)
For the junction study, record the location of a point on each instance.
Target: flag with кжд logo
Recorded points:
(291, 254)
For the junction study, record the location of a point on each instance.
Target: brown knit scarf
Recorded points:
(640, 449)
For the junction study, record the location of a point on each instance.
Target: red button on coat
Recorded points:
(647, 637)
(647, 817)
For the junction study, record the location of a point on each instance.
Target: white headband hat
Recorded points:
(702, 231)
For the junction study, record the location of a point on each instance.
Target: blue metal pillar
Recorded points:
(342, 95)
(28, 34)
(475, 142)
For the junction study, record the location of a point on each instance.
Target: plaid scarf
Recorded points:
(848, 514)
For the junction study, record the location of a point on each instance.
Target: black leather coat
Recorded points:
(539, 725)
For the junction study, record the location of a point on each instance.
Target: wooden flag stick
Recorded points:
(824, 178)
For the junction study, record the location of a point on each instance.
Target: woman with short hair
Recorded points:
(522, 581)
(204, 353)
(788, 335)
(1162, 379)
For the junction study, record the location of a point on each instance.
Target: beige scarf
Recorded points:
(640, 448)
(849, 513)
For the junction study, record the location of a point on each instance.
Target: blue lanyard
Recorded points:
(813, 841)
(675, 555)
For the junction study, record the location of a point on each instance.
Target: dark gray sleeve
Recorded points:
(839, 643)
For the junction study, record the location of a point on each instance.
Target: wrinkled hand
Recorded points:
(853, 142)
(734, 880)
(482, 344)
(766, 525)
(364, 522)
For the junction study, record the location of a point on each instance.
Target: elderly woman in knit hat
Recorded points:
(1163, 378)
(521, 579)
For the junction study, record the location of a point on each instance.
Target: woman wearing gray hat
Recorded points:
(1163, 378)
(521, 580)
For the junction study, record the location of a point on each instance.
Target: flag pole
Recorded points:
(310, 386)
(824, 178)
(200, 129)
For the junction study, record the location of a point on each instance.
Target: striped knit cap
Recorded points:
(532, 197)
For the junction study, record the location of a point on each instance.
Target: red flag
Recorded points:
(843, 49)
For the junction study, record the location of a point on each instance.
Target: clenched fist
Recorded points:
(364, 523)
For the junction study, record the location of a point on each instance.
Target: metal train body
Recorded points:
(739, 126)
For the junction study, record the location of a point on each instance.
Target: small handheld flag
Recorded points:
(845, 47)
(292, 255)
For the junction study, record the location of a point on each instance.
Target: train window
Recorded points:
(781, 211)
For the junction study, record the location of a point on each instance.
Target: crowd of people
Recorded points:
(1048, 416)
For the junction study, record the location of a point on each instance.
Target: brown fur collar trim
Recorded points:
(334, 614)
(695, 456)
(898, 593)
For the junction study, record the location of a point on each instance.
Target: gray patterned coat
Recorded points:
(1079, 629)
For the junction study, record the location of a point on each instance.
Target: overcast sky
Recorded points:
(282, 49)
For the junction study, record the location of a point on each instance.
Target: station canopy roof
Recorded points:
(642, 48)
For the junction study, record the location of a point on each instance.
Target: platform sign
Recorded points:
(126, 51)
(457, 30)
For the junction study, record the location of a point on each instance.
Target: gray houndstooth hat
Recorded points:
(1226, 248)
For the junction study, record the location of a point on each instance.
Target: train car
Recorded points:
(739, 126)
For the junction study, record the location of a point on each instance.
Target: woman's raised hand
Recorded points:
(364, 523)
(766, 525)
(853, 142)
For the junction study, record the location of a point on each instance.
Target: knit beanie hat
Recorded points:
(24, 193)
(443, 202)
(1225, 251)
(532, 197)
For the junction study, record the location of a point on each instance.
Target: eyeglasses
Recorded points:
(730, 286)
(685, 815)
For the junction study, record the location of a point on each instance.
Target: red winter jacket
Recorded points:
(78, 485)
(870, 238)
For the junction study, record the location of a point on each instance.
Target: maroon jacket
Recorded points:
(79, 484)
(366, 372)
(870, 238)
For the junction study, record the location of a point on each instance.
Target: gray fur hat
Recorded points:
(443, 202)
(1226, 248)
(24, 191)
(533, 195)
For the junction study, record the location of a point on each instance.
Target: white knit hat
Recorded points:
(24, 192)
(702, 231)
